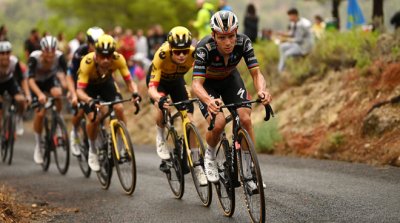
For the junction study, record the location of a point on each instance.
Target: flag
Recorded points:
(355, 16)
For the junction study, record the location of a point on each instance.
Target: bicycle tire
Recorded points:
(84, 148)
(225, 188)
(126, 160)
(204, 192)
(105, 174)
(11, 139)
(257, 213)
(47, 145)
(175, 176)
(61, 145)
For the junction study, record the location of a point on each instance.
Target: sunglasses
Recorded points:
(105, 56)
(5, 53)
(179, 52)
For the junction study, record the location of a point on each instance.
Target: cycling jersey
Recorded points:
(209, 63)
(76, 60)
(88, 72)
(39, 72)
(164, 68)
(13, 70)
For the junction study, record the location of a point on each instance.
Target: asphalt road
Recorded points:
(298, 190)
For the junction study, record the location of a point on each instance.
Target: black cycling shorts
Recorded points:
(11, 86)
(106, 91)
(230, 90)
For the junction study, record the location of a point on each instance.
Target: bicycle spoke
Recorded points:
(61, 145)
(173, 166)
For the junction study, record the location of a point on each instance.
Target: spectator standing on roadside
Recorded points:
(202, 23)
(32, 43)
(223, 5)
(318, 28)
(3, 33)
(251, 23)
(141, 43)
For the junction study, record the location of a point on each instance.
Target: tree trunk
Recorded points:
(335, 12)
(377, 15)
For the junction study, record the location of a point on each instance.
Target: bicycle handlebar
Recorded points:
(268, 111)
(47, 105)
(111, 103)
(181, 105)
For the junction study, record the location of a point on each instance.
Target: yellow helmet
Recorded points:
(105, 45)
(179, 38)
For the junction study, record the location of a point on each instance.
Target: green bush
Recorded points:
(267, 135)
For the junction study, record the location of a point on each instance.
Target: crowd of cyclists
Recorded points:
(91, 74)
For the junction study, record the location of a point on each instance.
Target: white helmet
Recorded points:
(5, 46)
(224, 22)
(48, 43)
(93, 33)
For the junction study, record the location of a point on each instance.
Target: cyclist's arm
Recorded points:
(32, 64)
(24, 81)
(62, 70)
(155, 75)
(83, 80)
(260, 86)
(124, 71)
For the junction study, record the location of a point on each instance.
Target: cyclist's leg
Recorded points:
(161, 146)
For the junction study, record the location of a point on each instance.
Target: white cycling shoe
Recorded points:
(93, 161)
(38, 154)
(211, 170)
(162, 149)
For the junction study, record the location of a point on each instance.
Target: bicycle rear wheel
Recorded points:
(61, 144)
(105, 173)
(225, 188)
(47, 145)
(195, 142)
(84, 148)
(248, 163)
(125, 163)
(175, 176)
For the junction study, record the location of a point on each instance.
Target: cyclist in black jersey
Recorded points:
(92, 34)
(216, 79)
(13, 81)
(47, 68)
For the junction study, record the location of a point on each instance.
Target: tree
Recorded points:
(377, 15)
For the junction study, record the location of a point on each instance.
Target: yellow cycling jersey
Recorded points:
(88, 72)
(164, 68)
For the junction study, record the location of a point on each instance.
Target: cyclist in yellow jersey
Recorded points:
(171, 62)
(95, 79)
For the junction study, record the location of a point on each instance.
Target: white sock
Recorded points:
(210, 152)
(38, 138)
(92, 146)
(160, 133)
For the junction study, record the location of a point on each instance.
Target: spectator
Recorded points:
(318, 27)
(127, 47)
(395, 20)
(3, 33)
(141, 43)
(251, 23)
(32, 43)
(74, 44)
(223, 5)
(202, 23)
(62, 43)
(298, 41)
(155, 40)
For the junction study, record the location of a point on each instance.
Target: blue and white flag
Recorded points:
(355, 16)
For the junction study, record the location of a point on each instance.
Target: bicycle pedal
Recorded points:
(236, 183)
(164, 167)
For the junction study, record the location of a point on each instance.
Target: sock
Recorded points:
(92, 146)
(38, 138)
(160, 133)
(210, 152)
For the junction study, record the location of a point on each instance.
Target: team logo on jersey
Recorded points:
(248, 46)
(241, 92)
(201, 55)
(162, 55)
(88, 60)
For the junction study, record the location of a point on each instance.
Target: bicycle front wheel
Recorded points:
(225, 187)
(250, 175)
(195, 143)
(175, 176)
(47, 146)
(7, 146)
(124, 158)
(61, 144)
(84, 148)
(106, 164)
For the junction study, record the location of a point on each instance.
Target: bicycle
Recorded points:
(191, 141)
(231, 161)
(116, 149)
(8, 133)
(83, 143)
(55, 137)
